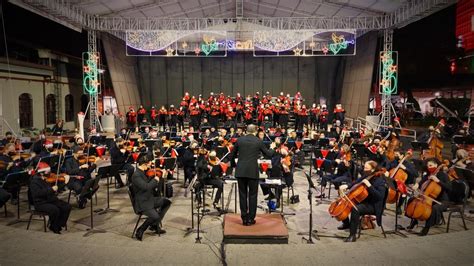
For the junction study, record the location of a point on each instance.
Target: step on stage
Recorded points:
(268, 229)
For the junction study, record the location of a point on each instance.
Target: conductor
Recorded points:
(247, 149)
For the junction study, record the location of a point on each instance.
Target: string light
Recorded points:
(169, 51)
(388, 72)
(91, 77)
(339, 43)
(297, 51)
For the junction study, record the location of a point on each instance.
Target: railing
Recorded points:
(5, 122)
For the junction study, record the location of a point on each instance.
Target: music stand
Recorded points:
(105, 171)
(311, 233)
(199, 215)
(323, 142)
(420, 145)
(17, 179)
(391, 184)
(92, 186)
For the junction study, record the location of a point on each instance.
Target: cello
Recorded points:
(421, 206)
(342, 207)
(400, 176)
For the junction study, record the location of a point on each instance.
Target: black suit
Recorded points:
(44, 199)
(145, 201)
(247, 149)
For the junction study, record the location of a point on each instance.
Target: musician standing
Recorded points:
(247, 149)
(44, 198)
(153, 207)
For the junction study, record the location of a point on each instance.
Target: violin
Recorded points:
(154, 172)
(342, 207)
(54, 178)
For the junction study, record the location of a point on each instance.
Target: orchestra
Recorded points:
(204, 136)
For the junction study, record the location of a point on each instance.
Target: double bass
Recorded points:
(342, 207)
(435, 145)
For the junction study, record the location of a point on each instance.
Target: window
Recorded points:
(84, 102)
(50, 109)
(69, 106)
(26, 110)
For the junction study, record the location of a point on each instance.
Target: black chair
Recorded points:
(115, 170)
(72, 191)
(33, 212)
(131, 194)
(458, 207)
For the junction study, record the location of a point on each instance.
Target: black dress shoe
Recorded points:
(424, 232)
(320, 196)
(160, 231)
(153, 227)
(251, 222)
(412, 225)
(351, 238)
(139, 233)
(343, 227)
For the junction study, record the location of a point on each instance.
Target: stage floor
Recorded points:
(178, 247)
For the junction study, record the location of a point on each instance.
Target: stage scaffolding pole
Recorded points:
(387, 107)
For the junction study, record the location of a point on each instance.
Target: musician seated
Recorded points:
(145, 123)
(411, 171)
(188, 160)
(342, 174)
(282, 168)
(11, 162)
(154, 208)
(440, 178)
(80, 173)
(372, 205)
(44, 199)
(230, 123)
(8, 139)
(118, 156)
(267, 123)
(204, 125)
(299, 155)
(57, 129)
(209, 171)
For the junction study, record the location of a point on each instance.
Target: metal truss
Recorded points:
(408, 13)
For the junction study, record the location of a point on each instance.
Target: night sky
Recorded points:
(423, 46)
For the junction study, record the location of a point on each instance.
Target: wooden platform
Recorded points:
(268, 229)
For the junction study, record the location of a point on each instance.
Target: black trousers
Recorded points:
(156, 215)
(58, 212)
(362, 209)
(4, 197)
(248, 192)
(215, 183)
(188, 173)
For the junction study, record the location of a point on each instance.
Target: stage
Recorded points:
(116, 246)
(268, 229)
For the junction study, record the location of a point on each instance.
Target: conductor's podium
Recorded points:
(268, 229)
